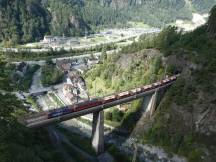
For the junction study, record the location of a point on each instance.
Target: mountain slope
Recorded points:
(184, 122)
(66, 17)
(24, 21)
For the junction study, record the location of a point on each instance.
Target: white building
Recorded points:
(49, 39)
(68, 92)
(59, 40)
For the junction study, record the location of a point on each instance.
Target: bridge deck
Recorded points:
(42, 119)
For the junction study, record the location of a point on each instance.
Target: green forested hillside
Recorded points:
(124, 71)
(22, 21)
(184, 122)
(66, 17)
(29, 20)
(18, 143)
(155, 13)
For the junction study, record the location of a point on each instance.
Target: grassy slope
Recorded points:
(123, 72)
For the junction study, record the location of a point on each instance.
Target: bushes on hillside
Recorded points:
(51, 75)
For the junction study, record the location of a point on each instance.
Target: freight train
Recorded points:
(100, 101)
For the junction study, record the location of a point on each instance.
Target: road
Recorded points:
(50, 88)
(42, 62)
(83, 46)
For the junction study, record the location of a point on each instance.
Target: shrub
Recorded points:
(108, 115)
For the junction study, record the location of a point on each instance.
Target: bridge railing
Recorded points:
(42, 115)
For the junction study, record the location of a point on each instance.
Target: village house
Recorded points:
(68, 91)
(60, 40)
(48, 39)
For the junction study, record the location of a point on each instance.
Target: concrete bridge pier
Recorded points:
(98, 132)
(153, 103)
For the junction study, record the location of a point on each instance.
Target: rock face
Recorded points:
(212, 23)
(197, 114)
(187, 111)
(197, 110)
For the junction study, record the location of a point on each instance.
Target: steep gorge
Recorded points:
(184, 122)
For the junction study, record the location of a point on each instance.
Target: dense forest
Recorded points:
(51, 75)
(66, 18)
(24, 21)
(18, 143)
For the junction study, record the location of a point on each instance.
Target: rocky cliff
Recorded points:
(185, 122)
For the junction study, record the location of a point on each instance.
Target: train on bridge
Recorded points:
(99, 101)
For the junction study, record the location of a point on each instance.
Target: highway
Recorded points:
(43, 62)
(83, 46)
(42, 119)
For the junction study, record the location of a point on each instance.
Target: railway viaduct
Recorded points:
(152, 99)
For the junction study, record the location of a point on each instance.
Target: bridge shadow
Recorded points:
(128, 128)
(133, 127)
